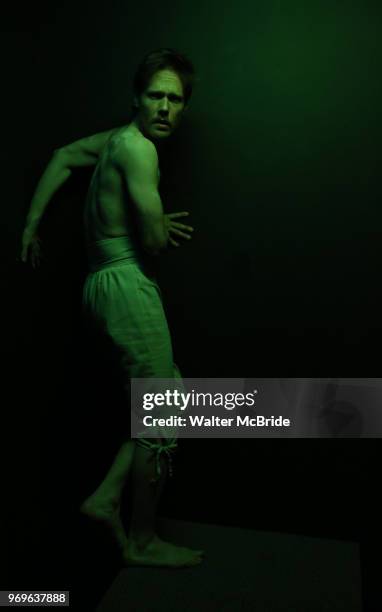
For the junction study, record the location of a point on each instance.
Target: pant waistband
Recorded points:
(112, 252)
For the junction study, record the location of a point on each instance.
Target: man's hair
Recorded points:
(160, 59)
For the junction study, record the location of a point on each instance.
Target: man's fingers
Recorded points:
(173, 241)
(186, 227)
(178, 214)
(179, 233)
(36, 257)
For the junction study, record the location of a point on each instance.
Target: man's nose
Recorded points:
(164, 106)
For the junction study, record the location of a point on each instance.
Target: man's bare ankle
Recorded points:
(107, 495)
(140, 541)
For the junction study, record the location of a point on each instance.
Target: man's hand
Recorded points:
(175, 228)
(31, 248)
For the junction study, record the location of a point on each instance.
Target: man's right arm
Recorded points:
(138, 163)
(55, 174)
(83, 152)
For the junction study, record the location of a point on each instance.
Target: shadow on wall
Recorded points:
(322, 408)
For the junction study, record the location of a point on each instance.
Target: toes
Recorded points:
(196, 561)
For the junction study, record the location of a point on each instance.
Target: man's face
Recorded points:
(162, 100)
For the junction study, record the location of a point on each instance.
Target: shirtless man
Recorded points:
(125, 227)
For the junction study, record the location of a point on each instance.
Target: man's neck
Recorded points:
(137, 128)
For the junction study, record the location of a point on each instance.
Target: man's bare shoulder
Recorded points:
(129, 140)
(128, 145)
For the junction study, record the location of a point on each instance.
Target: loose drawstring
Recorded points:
(159, 448)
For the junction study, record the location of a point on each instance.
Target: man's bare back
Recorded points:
(108, 207)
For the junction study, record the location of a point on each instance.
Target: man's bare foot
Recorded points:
(107, 512)
(161, 554)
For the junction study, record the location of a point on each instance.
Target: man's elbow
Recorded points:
(61, 157)
(156, 247)
(60, 153)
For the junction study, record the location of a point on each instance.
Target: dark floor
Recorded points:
(244, 570)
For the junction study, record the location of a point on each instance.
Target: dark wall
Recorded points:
(278, 163)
